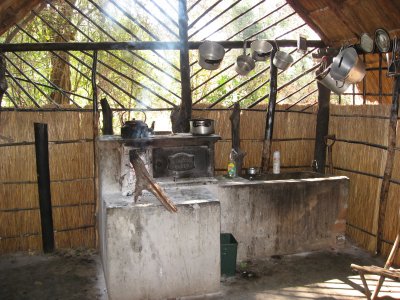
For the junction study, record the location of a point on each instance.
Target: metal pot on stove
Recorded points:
(202, 126)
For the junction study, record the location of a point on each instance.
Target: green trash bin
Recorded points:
(228, 254)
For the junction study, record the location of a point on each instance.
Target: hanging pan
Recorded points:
(244, 63)
(210, 55)
(282, 60)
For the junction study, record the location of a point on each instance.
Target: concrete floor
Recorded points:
(77, 274)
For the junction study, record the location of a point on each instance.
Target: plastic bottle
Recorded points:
(232, 165)
(276, 165)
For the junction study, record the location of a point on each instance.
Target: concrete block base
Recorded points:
(150, 253)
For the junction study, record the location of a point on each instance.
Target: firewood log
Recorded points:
(144, 181)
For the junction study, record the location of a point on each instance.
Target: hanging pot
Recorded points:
(282, 60)
(260, 50)
(335, 86)
(244, 63)
(347, 66)
(210, 55)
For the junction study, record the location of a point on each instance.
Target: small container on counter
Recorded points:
(232, 172)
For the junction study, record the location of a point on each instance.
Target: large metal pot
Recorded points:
(202, 126)
(334, 85)
(210, 55)
(347, 66)
(282, 60)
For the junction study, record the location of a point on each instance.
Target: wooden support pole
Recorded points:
(180, 116)
(3, 80)
(235, 131)
(387, 175)
(95, 132)
(269, 123)
(43, 180)
(322, 127)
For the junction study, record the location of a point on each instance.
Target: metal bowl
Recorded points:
(282, 60)
(260, 50)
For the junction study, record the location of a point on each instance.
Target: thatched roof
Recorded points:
(342, 21)
(13, 11)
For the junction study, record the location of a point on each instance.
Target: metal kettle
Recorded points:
(136, 129)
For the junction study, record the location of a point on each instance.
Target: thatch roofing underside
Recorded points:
(13, 11)
(336, 21)
(342, 21)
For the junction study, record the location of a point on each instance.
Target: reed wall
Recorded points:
(72, 180)
(293, 136)
(359, 153)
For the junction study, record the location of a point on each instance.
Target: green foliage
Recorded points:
(157, 72)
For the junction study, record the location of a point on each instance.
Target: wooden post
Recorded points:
(43, 179)
(180, 116)
(107, 117)
(235, 131)
(322, 127)
(95, 122)
(387, 175)
(269, 125)
(3, 80)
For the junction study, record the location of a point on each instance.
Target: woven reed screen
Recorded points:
(72, 182)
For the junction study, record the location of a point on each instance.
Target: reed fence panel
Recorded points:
(71, 155)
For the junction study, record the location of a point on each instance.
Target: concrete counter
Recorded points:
(272, 217)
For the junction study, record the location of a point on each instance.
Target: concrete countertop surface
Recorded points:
(224, 181)
(180, 195)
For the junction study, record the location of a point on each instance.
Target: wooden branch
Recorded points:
(107, 117)
(145, 182)
(387, 175)
(235, 131)
(3, 81)
(391, 273)
(269, 123)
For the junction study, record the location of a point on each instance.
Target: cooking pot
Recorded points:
(282, 60)
(244, 63)
(260, 50)
(335, 86)
(210, 55)
(202, 126)
(347, 66)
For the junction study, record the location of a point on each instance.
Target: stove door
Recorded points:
(182, 162)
